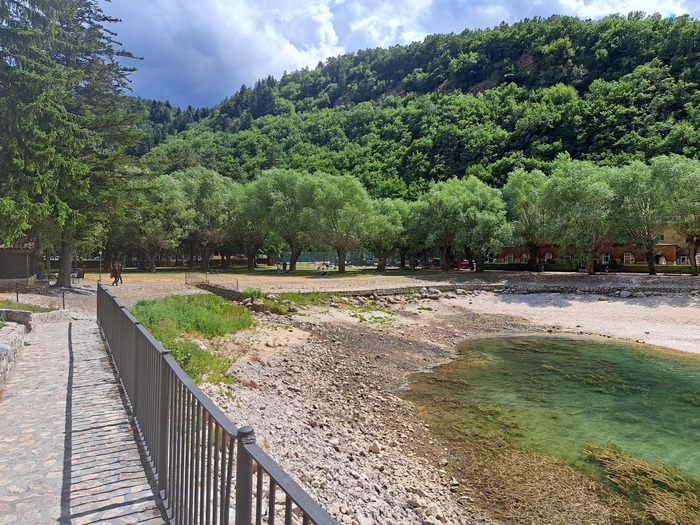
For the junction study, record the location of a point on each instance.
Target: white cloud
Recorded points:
(201, 52)
(600, 8)
(387, 23)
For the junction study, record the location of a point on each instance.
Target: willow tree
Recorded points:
(343, 207)
(289, 197)
(640, 209)
(486, 227)
(214, 199)
(439, 216)
(523, 195)
(681, 183)
(386, 231)
(578, 197)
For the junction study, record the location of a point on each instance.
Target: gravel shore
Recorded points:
(321, 388)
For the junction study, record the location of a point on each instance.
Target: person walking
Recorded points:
(120, 271)
(114, 274)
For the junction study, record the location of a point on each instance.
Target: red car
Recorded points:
(464, 265)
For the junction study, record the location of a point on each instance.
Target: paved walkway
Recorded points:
(67, 451)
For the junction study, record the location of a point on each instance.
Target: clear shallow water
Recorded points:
(556, 394)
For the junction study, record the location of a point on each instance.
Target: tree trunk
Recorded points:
(590, 266)
(534, 257)
(206, 252)
(341, 259)
(444, 250)
(250, 253)
(294, 257)
(64, 271)
(381, 266)
(478, 263)
(692, 253)
(403, 260)
(149, 261)
(651, 262)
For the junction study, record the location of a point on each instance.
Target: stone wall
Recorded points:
(12, 335)
(11, 341)
(226, 293)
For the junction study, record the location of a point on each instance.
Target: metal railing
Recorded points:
(207, 470)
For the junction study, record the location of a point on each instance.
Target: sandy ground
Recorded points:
(667, 319)
(672, 321)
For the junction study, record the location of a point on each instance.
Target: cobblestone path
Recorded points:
(67, 450)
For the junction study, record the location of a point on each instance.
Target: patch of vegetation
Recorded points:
(6, 304)
(659, 492)
(252, 293)
(306, 299)
(2, 324)
(179, 320)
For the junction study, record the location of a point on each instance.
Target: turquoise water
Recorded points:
(556, 394)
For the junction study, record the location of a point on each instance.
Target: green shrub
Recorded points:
(176, 320)
(252, 293)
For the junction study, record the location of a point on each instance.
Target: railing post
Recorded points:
(164, 443)
(244, 477)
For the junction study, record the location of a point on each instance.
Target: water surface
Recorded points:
(555, 394)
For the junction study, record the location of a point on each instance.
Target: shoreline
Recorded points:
(321, 388)
(426, 327)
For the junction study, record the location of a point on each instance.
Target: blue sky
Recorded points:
(200, 52)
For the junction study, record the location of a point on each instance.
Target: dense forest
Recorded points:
(478, 103)
(552, 130)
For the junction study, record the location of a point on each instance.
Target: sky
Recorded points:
(198, 52)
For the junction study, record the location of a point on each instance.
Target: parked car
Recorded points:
(463, 265)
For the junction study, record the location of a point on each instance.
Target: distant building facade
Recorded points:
(670, 250)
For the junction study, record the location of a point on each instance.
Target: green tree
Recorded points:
(523, 194)
(343, 206)
(159, 217)
(640, 208)
(212, 198)
(485, 225)
(288, 199)
(681, 183)
(439, 217)
(249, 223)
(62, 89)
(578, 198)
(32, 91)
(386, 232)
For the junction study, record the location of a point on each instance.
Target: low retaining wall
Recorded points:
(524, 289)
(226, 293)
(29, 319)
(11, 340)
(12, 335)
(513, 288)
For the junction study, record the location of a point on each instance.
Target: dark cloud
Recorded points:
(198, 53)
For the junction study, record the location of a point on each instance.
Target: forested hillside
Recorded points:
(479, 103)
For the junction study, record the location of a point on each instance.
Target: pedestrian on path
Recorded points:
(114, 275)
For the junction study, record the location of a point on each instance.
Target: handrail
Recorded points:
(204, 465)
